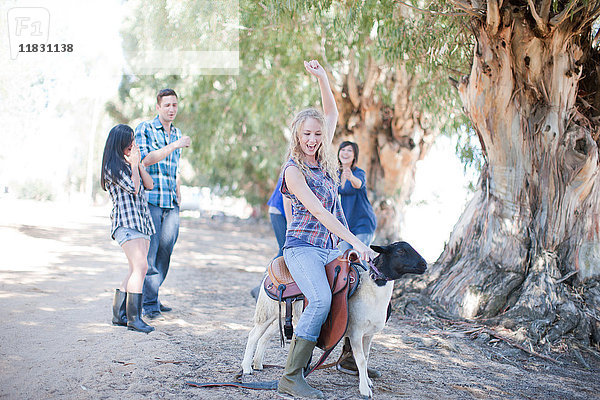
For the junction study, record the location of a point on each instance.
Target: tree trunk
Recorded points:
(391, 141)
(526, 250)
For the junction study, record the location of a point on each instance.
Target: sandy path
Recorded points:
(57, 277)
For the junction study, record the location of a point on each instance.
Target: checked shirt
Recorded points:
(130, 209)
(150, 136)
(304, 225)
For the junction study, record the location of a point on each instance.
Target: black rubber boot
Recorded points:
(292, 382)
(347, 364)
(119, 308)
(134, 314)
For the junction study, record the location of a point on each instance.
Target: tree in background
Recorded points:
(526, 251)
(392, 97)
(391, 94)
(237, 122)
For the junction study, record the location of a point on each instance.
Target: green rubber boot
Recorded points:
(292, 382)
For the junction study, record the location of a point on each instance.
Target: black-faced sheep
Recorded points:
(367, 309)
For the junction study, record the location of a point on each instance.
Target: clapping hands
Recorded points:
(346, 174)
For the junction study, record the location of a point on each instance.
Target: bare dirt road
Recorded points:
(58, 271)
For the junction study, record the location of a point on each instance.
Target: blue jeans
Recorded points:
(366, 238)
(307, 266)
(279, 224)
(166, 222)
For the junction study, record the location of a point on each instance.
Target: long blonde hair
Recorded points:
(325, 155)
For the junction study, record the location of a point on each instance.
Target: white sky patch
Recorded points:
(440, 195)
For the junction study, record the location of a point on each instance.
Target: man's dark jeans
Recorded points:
(166, 222)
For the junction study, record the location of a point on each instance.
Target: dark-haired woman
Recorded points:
(353, 194)
(124, 177)
(361, 222)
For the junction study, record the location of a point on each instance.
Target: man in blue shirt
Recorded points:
(160, 145)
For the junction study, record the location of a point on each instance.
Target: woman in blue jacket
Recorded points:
(361, 222)
(353, 192)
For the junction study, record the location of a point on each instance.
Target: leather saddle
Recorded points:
(343, 276)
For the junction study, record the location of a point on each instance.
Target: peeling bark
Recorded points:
(526, 251)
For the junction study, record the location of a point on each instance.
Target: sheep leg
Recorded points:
(366, 342)
(264, 315)
(356, 342)
(253, 337)
(259, 354)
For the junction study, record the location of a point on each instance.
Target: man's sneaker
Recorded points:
(153, 315)
(164, 308)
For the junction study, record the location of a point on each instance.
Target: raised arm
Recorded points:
(297, 185)
(329, 107)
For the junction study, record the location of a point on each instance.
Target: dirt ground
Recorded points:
(58, 272)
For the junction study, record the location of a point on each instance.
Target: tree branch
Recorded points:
(449, 14)
(351, 80)
(466, 8)
(336, 93)
(401, 90)
(370, 79)
(539, 22)
(323, 51)
(339, 99)
(563, 15)
(564, 278)
(545, 11)
(453, 82)
(592, 15)
(493, 16)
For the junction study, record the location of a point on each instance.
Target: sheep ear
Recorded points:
(379, 249)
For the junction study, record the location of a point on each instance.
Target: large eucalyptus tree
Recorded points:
(526, 251)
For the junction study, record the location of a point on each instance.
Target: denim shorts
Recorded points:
(123, 234)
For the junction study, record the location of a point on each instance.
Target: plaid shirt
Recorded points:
(130, 209)
(304, 225)
(150, 136)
